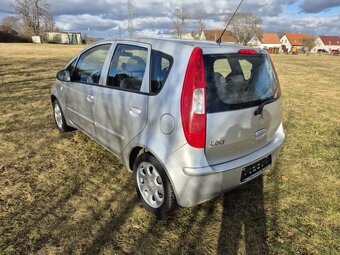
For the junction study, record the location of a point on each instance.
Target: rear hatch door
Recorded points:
(236, 85)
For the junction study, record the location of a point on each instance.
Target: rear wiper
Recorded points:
(263, 103)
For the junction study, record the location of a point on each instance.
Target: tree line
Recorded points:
(243, 26)
(32, 17)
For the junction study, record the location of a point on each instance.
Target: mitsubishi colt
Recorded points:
(190, 119)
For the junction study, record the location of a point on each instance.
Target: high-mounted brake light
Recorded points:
(193, 111)
(247, 52)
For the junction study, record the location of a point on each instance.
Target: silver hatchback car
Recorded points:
(191, 119)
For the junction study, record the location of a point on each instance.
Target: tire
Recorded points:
(153, 186)
(59, 118)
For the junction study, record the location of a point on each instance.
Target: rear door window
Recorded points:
(236, 81)
(127, 67)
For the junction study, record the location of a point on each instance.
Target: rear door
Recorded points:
(121, 106)
(80, 92)
(236, 85)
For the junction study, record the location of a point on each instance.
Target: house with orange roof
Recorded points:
(293, 40)
(268, 41)
(214, 34)
(326, 43)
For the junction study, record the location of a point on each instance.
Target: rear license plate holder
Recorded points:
(255, 169)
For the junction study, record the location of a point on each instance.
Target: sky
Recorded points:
(103, 18)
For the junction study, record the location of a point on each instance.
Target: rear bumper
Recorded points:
(198, 184)
(237, 163)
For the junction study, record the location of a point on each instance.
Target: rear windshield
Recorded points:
(236, 81)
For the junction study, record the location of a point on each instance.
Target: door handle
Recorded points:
(90, 99)
(135, 112)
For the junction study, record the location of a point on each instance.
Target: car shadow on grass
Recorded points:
(242, 229)
(244, 220)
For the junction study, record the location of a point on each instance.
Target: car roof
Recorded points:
(167, 43)
(152, 41)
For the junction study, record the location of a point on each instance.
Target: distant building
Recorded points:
(64, 37)
(293, 41)
(210, 35)
(191, 36)
(268, 41)
(213, 35)
(326, 43)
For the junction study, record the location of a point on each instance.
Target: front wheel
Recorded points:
(59, 118)
(153, 185)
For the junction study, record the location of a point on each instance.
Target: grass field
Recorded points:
(64, 194)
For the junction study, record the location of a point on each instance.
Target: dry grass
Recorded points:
(64, 194)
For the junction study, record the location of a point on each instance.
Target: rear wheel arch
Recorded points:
(139, 150)
(169, 195)
(135, 152)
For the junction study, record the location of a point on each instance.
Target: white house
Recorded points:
(326, 43)
(290, 41)
(210, 35)
(268, 41)
(190, 36)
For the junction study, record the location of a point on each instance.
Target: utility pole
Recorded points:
(120, 30)
(130, 25)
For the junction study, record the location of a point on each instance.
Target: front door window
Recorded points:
(90, 65)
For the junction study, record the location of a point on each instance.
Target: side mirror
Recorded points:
(64, 75)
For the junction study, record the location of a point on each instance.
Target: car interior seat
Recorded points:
(135, 68)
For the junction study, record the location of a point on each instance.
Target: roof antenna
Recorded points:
(225, 29)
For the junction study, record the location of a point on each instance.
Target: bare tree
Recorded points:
(179, 19)
(200, 17)
(49, 24)
(244, 26)
(35, 15)
(308, 43)
(10, 24)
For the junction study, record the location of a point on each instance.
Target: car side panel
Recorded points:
(165, 103)
(120, 115)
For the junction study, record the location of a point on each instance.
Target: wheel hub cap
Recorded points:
(150, 184)
(58, 116)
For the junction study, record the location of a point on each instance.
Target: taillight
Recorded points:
(193, 111)
(247, 51)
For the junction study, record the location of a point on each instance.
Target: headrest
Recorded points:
(134, 64)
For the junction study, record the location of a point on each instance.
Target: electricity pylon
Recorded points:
(130, 25)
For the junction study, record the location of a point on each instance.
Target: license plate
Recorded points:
(250, 171)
